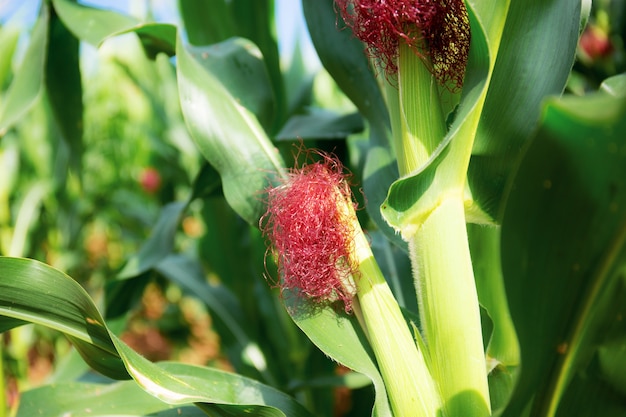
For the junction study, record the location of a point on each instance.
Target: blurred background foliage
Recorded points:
(88, 209)
(135, 182)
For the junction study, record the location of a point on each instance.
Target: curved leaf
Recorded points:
(255, 21)
(320, 124)
(227, 134)
(531, 65)
(238, 64)
(325, 327)
(28, 80)
(91, 400)
(95, 25)
(564, 252)
(209, 23)
(35, 292)
(90, 24)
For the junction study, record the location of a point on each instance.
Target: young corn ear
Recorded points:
(324, 256)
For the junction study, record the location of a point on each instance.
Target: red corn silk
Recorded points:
(310, 235)
(436, 30)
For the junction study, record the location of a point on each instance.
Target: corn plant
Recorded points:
(442, 233)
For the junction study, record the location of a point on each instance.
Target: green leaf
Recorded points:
(531, 65)
(94, 26)
(227, 134)
(320, 124)
(35, 292)
(486, 261)
(28, 80)
(343, 57)
(88, 400)
(156, 37)
(206, 23)
(63, 82)
(238, 64)
(255, 21)
(325, 327)
(564, 251)
(90, 24)
(379, 172)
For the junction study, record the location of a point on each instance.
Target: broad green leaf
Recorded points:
(531, 65)
(28, 80)
(255, 21)
(227, 134)
(88, 400)
(90, 24)
(342, 339)
(63, 83)
(485, 249)
(232, 389)
(34, 292)
(320, 124)
(564, 250)
(599, 386)
(206, 23)
(156, 38)
(238, 64)
(491, 15)
(95, 25)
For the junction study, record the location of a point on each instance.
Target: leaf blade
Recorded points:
(41, 294)
(228, 136)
